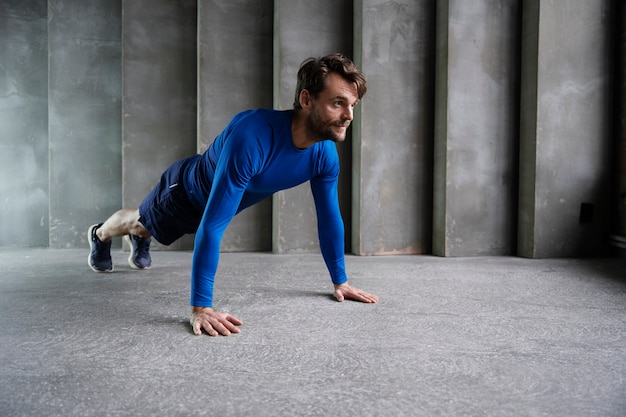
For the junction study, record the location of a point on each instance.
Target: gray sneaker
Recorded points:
(139, 257)
(99, 259)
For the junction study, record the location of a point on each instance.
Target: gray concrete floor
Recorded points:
(450, 337)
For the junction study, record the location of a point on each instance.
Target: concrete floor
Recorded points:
(450, 337)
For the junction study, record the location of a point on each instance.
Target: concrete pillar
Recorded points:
(303, 30)
(235, 74)
(392, 197)
(565, 126)
(24, 121)
(620, 160)
(84, 116)
(159, 88)
(476, 133)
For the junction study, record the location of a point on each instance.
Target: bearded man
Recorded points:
(259, 153)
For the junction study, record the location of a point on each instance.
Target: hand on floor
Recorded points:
(213, 322)
(346, 291)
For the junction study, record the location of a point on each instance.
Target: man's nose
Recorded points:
(348, 113)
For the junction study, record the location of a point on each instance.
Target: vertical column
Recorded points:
(303, 30)
(476, 132)
(392, 203)
(235, 74)
(565, 127)
(619, 194)
(159, 93)
(84, 116)
(24, 121)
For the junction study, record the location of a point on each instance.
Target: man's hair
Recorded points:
(313, 72)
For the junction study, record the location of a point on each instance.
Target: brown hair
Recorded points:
(313, 72)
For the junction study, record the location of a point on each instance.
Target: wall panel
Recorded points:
(303, 30)
(84, 115)
(566, 112)
(477, 125)
(235, 74)
(24, 120)
(159, 94)
(392, 171)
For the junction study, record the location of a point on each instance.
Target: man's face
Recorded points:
(330, 114)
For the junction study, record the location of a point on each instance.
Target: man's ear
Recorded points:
(305, 99)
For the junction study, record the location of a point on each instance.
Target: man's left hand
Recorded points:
(348, 292)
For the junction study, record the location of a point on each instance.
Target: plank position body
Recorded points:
(259, 153)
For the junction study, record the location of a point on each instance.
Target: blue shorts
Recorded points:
(166, 211)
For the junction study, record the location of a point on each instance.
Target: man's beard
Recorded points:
(318, 129)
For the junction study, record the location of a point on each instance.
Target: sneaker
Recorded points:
(139, 257)
(100, 255)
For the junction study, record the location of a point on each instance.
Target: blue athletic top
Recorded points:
(250, 160)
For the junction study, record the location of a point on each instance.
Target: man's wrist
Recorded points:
(197, 309)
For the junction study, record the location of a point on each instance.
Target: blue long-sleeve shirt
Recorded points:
(250, 160)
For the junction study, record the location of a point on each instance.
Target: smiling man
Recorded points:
(259, 153)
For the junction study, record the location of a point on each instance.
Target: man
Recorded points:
(258, 153)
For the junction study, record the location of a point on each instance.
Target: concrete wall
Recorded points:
(84, 104)
(235, 74)
(565, 128)
(159, 93)
(619, 193)
(24, 123)
(432, 165)
(476, 136)
(392, 198)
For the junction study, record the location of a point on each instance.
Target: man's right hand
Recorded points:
(213, 322)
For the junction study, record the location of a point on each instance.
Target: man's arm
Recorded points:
(331, 235)
(234, 169)
(204, 266)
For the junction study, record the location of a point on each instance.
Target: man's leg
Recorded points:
(125, 222)
(122, 223)
(165, 212)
